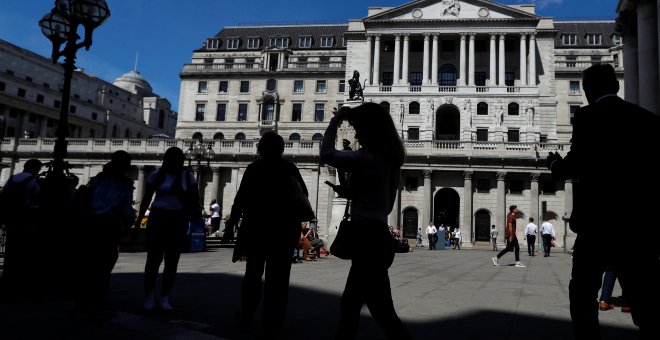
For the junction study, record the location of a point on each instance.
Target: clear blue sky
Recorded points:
(165, 32)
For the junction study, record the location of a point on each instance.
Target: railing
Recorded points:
(221, 67)
(512, 89)
(317, 64)
(415, 89)
(83, 147)
(385, 88)
(447, 88)
(482, 89)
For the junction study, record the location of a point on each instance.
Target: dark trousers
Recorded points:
(432, 240)
(369, 283)
(166, 238)
(511, 246)
(215, 224)
(637, 271)
(531, 241)
(20, 265)
(547, 243)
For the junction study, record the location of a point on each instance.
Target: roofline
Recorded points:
(297, 24)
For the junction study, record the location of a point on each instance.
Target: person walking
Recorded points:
(418, 238)
(215, 216)
(598, 245)
(511, 239)
(175, 204)
(263, 204)
(375, 171)
(493, 236)
(457, 238)
(548, 236)
(432, 235)
(530, 232)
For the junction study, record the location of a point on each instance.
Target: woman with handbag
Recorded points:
(176, 203)
(265, 205)
(375, 171)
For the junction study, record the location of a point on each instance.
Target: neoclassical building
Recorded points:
(479, 91)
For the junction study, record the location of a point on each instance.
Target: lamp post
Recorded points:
(60, 26)
(197, 152)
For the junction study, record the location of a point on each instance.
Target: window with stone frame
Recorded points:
(482, 185)
(515, 186)
(413, 133)
(415, 78)
(245, 86)
(223, 86)
(482, 134)
(388, 78)
(305, 42)
(548, 186)
(319, 112)
(298, 86)
(221, 113)
(199, 112)
(253, 43)
(574, 87)
(594, 39)
(513, 135)
(513, 109)
(413, 108)
(296, 112)
(342, 86)
(569, 39)
(482, 108)
(242, 112)
(202, 87)
(572, 109)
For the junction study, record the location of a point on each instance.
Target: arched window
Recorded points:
(386, 106)
(447, 76)
(514, 109)
(413, 108)
(240, 136)
(219, 135)
(197, 135)
(127, 133)
(317, 136)
(115, 131)
(271, 84)
(482, 108)
(294, 136)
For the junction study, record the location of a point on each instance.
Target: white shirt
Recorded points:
(457, 234)
(431, 229)
(531, 229)
(216, 210)
(547, 229)
(493, 233)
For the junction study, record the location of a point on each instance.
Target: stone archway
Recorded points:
(410, 223)
(447, 123)
(446, 208)
(482, 225)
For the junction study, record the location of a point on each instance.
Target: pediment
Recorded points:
(422, 10)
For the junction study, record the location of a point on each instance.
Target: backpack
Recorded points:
(12, 201)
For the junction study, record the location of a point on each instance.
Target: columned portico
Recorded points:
(532, 59)
(406, 54)
(434, 61)
(376, 76)
(523, 59)
(397, 59)
(367, 72)
(425, 60)
(500, 68)
(471, 60)
(462, 62)
(492, 79)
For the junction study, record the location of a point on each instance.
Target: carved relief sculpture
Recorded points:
(452, 7)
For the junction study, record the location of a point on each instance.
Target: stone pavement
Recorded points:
(446, 294)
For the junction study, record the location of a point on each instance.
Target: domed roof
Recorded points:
(131, 81)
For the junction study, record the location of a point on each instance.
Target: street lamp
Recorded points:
(196, 151)
(60, 26)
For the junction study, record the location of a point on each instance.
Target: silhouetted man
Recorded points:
(607, 182)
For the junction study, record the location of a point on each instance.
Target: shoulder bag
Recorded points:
(343, 246)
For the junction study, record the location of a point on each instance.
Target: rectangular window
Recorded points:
(543, 139)
(574, 87)
(413, 133)
(548, 187)
(388, 78)
(305, 42)
(415, 78)
(199, 112)
(572, 110)
(344, 42)
(72, 109)
(95, 116)
(56, 104)
(279, 42)
(223, 87)
(616, 39)
(213, 44)
(245, 86)
(2, 86)
(21, 93)
(593, 39)
(411, 183)
(515, 186)
(513, 135)
(483, 185)
(327, 41)
(242, 112)
(202, 87)
(569, 39)
(508, 79)
(447, 46)
(221, 113)
(40, 98)
(233, 43)
(296, 112)
(482, 135)
(320, 86)
(253, 43)
(480, 78)
(319, 112)
(298, 86)
(342, 86)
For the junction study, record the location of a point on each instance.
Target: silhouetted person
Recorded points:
(604, 181)
(167, 226)
(20, 204)
(263, 202)
(111, 215)
(375, 171)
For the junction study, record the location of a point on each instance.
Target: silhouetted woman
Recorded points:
(375, 171)
(264, 205)
(167, 226)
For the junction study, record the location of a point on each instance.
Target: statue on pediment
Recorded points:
(452, 7)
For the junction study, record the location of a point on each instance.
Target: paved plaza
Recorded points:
(445, 294)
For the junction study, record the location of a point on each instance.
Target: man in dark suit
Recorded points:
(603, 182)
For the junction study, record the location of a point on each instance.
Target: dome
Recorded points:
(131, 81)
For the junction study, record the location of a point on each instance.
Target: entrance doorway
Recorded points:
(410, 223)
(482, 225)
(447, 123)
(446, 207)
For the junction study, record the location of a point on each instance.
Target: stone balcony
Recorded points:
(451, 90)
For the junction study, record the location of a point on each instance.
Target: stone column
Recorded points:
(631, 65)
(492, 80)
(140, 185)
(466, 229)
(367, 73)
(471, 60)
(568, 196)
(523, 59)
(215, 183)
(534, 199)
(647, 39)
(393, 218)
(376, 74)
(406, 59)
(500, 215)
(425, 60)
(462, 74)
(500, 58)
(532, 59)
(434, 61)
(397, 59)
(427, 214)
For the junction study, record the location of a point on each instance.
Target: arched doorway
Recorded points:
(482, 225)
(410, 222)
(447, 123)
(446, 207)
